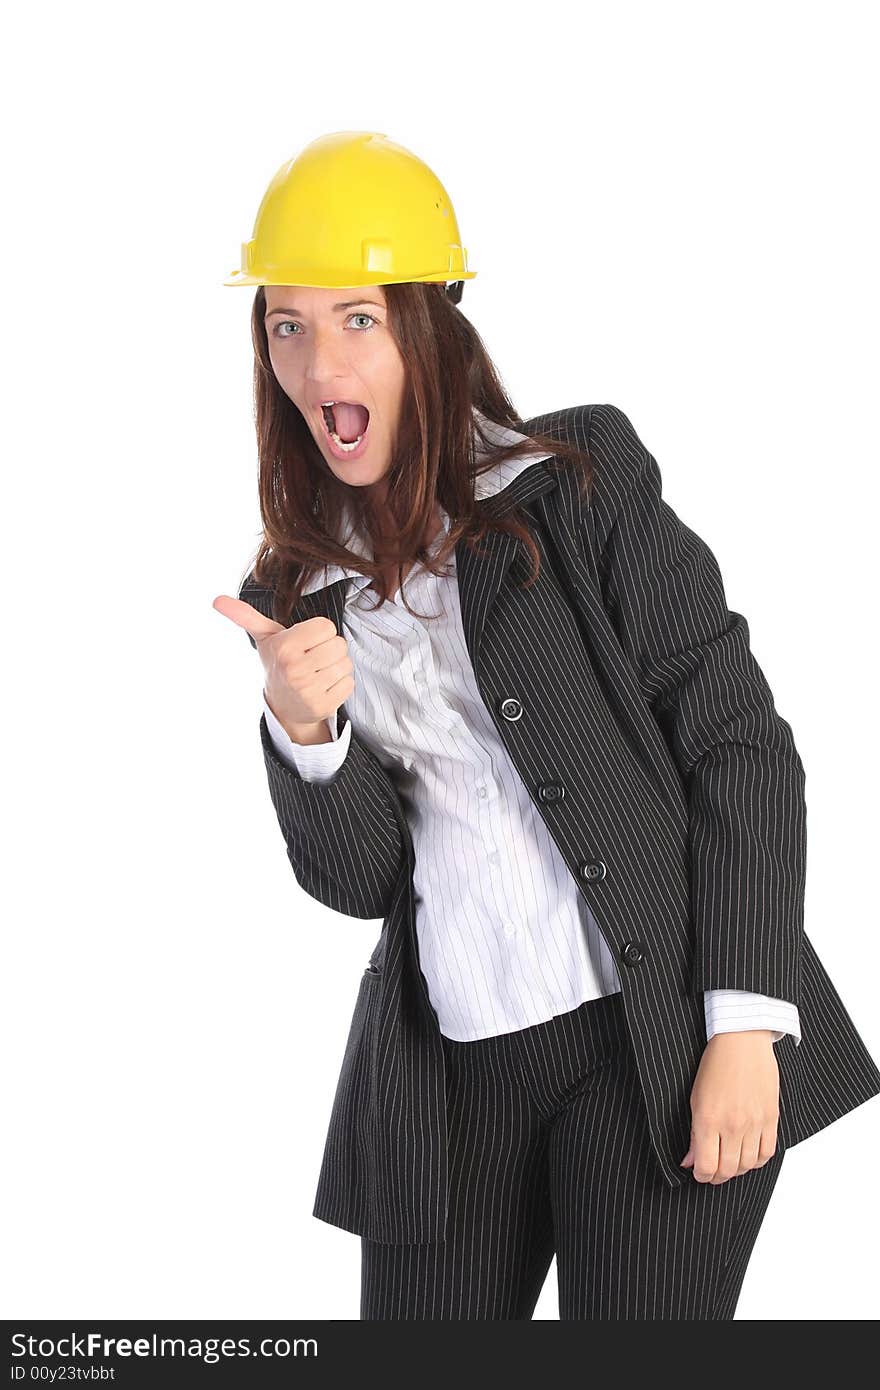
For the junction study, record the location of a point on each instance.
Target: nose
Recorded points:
(327, 365)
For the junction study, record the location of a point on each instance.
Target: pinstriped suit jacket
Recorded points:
(676, 799)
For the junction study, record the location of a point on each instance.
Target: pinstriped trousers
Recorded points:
(549, 1154)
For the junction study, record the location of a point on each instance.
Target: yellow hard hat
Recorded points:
(353, 208)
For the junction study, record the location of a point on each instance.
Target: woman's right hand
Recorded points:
(308, 671)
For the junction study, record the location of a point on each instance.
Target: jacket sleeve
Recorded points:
(343, 837)
(742, 773)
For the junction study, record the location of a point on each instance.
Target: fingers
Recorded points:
(706, 1146)
(751, 1147)
(729, 1153)
(718, 1155)
(768, 1144)
(326, 654)
(251, 619)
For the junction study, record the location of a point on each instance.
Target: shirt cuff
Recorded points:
(737, 1010)
(315, 762)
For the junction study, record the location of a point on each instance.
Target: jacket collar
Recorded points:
(479, 576)
(494, 480)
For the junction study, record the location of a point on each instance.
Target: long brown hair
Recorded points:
(302, 502)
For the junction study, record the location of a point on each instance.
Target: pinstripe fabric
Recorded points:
(681, 818)
(549, 1154)
(506, 938)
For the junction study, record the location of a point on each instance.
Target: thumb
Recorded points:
(246, 616)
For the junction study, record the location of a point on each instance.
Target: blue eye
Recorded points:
(288, 323)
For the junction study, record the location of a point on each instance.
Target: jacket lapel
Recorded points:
(480, 576)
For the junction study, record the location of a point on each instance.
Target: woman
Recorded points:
(592, 1024)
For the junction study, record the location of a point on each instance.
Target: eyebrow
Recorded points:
(346, 304)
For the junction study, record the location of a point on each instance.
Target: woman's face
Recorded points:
(335, 345)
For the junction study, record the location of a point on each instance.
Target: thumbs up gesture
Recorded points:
(308, 671)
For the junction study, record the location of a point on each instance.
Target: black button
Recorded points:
(551, 791)
(510, 708)
(632, 953)
(594, 870)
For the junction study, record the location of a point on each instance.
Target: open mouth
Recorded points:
(346, 423)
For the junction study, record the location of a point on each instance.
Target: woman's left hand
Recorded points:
(734, 1106)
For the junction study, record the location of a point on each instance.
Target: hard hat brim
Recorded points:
(291, 277)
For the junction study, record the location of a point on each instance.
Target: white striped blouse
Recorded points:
(506, 939)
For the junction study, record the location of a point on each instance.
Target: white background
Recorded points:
(671, 208)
